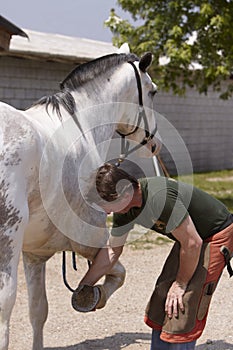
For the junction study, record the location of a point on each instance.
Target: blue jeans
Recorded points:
(158, 344)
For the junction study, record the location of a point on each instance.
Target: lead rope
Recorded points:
(227, 256)
(64, 272)
(74, 267)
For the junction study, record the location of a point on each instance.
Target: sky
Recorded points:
(79, 18)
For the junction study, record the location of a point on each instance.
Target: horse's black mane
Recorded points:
(79, 76)
(90, 70)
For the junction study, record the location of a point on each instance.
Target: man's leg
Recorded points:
(158, 344)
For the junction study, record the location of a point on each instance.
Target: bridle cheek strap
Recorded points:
(125, 151)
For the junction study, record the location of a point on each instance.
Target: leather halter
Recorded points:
(125, 151)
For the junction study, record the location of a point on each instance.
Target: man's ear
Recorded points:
(128, 195)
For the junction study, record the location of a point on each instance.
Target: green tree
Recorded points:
(195, 38)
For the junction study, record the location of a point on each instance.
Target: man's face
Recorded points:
(121, 205)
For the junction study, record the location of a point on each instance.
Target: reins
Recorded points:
(125, 151)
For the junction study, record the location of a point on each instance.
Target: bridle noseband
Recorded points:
(125, 151)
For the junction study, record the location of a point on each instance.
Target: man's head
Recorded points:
(112, 189)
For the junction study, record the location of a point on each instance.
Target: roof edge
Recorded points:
(11, 28)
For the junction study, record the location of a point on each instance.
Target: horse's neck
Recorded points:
(101, 98)
(97, 114)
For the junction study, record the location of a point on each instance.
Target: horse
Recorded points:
(47, 153)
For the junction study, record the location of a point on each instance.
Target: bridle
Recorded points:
(125, 151)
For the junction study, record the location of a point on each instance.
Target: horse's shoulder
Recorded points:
(19, 140)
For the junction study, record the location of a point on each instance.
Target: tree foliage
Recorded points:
(195, 38)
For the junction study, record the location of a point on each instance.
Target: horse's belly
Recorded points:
(37, 231)
(42, 237)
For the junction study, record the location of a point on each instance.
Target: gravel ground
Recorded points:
(120, 324)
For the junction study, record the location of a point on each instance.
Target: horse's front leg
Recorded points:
(113, 280)
(86, 298)
(13, 220)
(9, 258)
(34, 267)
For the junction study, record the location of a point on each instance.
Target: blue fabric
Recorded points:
(158, 344)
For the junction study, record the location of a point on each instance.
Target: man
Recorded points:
(202, 229)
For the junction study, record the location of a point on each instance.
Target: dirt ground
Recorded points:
(120, 324)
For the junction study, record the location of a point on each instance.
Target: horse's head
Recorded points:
(138, 122)
(116, 93)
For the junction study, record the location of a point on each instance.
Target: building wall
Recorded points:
(197, 126)
(23, 81)
(205, 123)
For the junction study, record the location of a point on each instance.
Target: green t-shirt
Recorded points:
(166, 203)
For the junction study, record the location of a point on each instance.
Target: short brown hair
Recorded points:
(109, 183)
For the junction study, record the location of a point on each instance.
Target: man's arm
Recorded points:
(102, 264)
(190, 248)
(104, 260)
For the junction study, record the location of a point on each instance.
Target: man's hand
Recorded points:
(190, 249)
(174, 300)
(102, 264)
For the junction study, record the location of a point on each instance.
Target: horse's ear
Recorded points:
(145, 61)
(124, 48)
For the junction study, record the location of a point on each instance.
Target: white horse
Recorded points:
(46, 152)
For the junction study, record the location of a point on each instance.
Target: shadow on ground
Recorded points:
(116, 342)
(122, 340)
(215, 345)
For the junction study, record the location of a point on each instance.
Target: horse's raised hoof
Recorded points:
(103, 298)
(85, 298)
